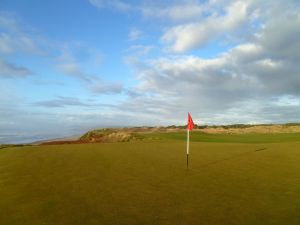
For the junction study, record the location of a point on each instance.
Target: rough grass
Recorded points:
(147, 182)
(110, 135)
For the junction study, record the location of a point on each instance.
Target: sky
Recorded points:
(70, 66)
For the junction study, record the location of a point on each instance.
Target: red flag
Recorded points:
(190, 124)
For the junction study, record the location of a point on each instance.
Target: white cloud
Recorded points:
(196, 34)
(61, 101)
(23, 43)
(269, 64)
(176, 12)
(6, 45)
(247, 49)
(247, 83)
(69, 65)
(8, 21)
(140, 50)
(16, 37)
(102, 87)
(9, 70)
(98, 3)
(92, 82)
(113, 4)
(73, 69)
(134, 34)
(72, 63)
(280, 34)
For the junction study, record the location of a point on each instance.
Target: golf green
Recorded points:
(147, 182)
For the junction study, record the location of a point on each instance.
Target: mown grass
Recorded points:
(146, 182)
(198, 136)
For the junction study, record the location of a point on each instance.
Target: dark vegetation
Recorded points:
(12, 145)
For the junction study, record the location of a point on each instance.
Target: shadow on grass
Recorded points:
(229, 158)
(261, 149)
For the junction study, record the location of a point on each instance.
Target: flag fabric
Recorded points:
(190, 124)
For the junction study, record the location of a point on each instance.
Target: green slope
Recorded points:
(198, 136)
(146, 182)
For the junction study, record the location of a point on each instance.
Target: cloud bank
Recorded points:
(225, 61)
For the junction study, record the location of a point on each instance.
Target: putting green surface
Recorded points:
(146, 182)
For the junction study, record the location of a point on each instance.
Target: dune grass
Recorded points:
(146, 182)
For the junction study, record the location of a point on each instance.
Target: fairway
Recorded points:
(147, 182)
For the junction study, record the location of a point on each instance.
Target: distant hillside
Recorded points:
(111, 135)
(139, 133)
(241, 129)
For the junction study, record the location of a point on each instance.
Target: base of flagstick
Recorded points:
(187, 161)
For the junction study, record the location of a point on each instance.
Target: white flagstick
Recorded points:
(187, 148)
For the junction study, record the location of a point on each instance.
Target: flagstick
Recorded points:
(187, 148)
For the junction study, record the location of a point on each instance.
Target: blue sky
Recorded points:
(70, 66)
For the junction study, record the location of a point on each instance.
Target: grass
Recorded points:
(146, 182)
(110, 135)
(228, 138)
